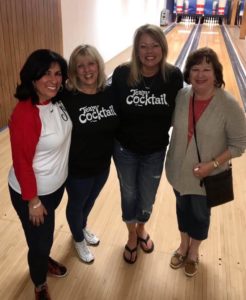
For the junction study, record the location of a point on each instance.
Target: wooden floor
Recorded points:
(222, 271)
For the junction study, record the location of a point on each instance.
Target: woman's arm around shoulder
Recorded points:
(183, 94)
(120, 74)
(175, 77)
(65, 97)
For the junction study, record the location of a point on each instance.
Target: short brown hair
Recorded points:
(196, 57)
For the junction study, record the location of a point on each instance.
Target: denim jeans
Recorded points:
(139, 176)
(82, 194)
(39, 238)
(193, 215)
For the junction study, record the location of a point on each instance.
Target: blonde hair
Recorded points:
(135, 64)
(73, 81)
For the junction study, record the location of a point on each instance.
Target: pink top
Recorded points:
(199, 108)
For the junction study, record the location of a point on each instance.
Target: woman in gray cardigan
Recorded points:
(221, 136)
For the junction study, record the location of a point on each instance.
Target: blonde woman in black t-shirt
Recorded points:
(90, 105)
(145, 90)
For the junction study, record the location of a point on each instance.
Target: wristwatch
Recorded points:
(215, 163)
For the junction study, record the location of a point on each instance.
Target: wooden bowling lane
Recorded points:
(176, 39)
(226, 247)
(212, 37)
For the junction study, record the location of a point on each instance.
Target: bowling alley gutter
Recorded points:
(190, 45)
(237, 65)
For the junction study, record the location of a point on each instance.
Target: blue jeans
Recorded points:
(139, 177)
(39, 238)
(193, 215)
(82, 194)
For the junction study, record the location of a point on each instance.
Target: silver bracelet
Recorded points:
(37, 205)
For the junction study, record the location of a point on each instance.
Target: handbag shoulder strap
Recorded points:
(194, 130)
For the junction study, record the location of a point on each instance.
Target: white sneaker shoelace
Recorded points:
(90, 237)
(84, 252)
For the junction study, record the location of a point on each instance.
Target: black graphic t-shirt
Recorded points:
(95, 122)
(146, 110)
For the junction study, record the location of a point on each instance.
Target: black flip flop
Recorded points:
(145, 241)
(131, 251)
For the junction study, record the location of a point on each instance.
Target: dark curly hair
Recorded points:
(196, 57)
(34, 68)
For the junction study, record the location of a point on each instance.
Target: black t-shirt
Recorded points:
(94, 125)
(145, 110)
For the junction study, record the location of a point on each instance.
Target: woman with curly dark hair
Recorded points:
(40, 131)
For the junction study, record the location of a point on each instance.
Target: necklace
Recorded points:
(148, 82)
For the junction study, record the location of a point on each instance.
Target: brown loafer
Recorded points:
(191, 267)
(177, 260)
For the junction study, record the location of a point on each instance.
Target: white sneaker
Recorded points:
(90, 237)
(84, 252)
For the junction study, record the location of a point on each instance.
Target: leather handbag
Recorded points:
(219, 187)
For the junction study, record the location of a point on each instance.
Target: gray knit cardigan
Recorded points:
(222, 126)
